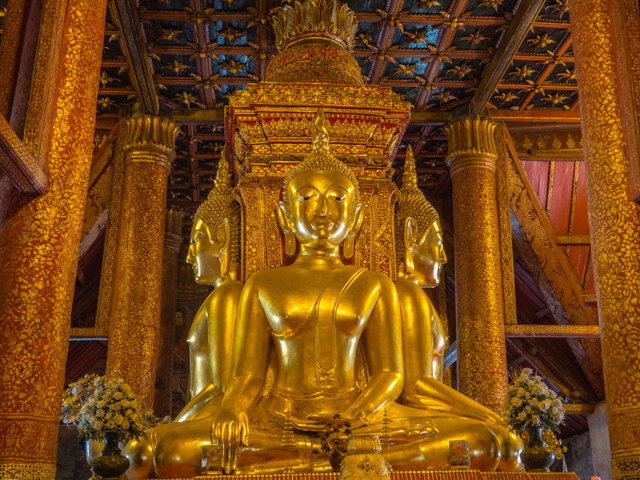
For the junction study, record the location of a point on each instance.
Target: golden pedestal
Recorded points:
(410, 475)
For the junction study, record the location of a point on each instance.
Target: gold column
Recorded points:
(38, 258)
(163, 397)
(615, 222)
(134, 321)
(482, 361)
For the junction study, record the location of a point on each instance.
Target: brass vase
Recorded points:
(537, 456)
(111, 464)
(92, 450)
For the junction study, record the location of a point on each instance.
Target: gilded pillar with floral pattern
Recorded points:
(134, 321)
(614, 220)
(482, 359)
(39, 256)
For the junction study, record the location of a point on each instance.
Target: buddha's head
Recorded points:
(419, 236)
(214, 249)
(320, 201)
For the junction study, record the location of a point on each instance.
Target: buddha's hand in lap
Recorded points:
(351, 416)
(230, 429)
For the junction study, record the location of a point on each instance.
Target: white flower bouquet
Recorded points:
(97, 405)
(531, 403)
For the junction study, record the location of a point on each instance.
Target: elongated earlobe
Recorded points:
(289, 237)
(410, 237)
(348, 246)
(222, 233)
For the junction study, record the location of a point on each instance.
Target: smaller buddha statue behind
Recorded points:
(421, 257)
(214, 253)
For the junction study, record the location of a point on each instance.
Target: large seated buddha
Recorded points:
(315, 320)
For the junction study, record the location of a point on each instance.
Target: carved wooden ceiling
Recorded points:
(434, 53)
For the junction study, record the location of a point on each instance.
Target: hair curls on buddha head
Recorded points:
(412, 202)
(220, 204)
(320, 160)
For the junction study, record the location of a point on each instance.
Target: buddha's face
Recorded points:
(321, 207)
(429, 257)
(204, 253)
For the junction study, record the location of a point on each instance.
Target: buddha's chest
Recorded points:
(327, 307)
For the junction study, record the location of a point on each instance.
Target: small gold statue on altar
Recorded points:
(318, 318)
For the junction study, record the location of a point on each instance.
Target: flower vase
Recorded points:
(92, 449)
(111, 464)
(537, 456)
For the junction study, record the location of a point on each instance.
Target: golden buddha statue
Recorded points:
(314, 317)
(421, 257)
(214, 253)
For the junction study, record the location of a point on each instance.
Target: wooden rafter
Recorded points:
(205, 68)
(509, 45)
(126, 17)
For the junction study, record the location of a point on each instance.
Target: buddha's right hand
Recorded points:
(230, 428)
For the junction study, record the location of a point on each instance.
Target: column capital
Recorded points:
(173, 220)
(472, 143)
(151, 139)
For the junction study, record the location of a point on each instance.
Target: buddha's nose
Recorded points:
(190, 255)
(321, 209)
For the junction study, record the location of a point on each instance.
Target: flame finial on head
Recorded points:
(320, 132)
(412, 201)
(409, 175)
(223, 176)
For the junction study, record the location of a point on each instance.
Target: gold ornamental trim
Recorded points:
(306, 18)
(27, 471)
(151, 139)
(552, 331)
(472, 143)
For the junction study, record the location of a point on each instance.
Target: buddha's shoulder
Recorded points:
(411, 295)
(372, 277)
(269, 275)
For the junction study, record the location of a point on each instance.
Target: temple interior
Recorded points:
(505, 131)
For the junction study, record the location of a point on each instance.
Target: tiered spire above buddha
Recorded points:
(314, 38)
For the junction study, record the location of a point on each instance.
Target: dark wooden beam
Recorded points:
(202, 117)
(516, 33)
(430, 118)
(214, 116)
(204, 65)
(126, 17)
(15, 160)
(541, 115)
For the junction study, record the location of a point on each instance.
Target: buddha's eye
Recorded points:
(306, 194)
(339, 198)
(195, 237)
